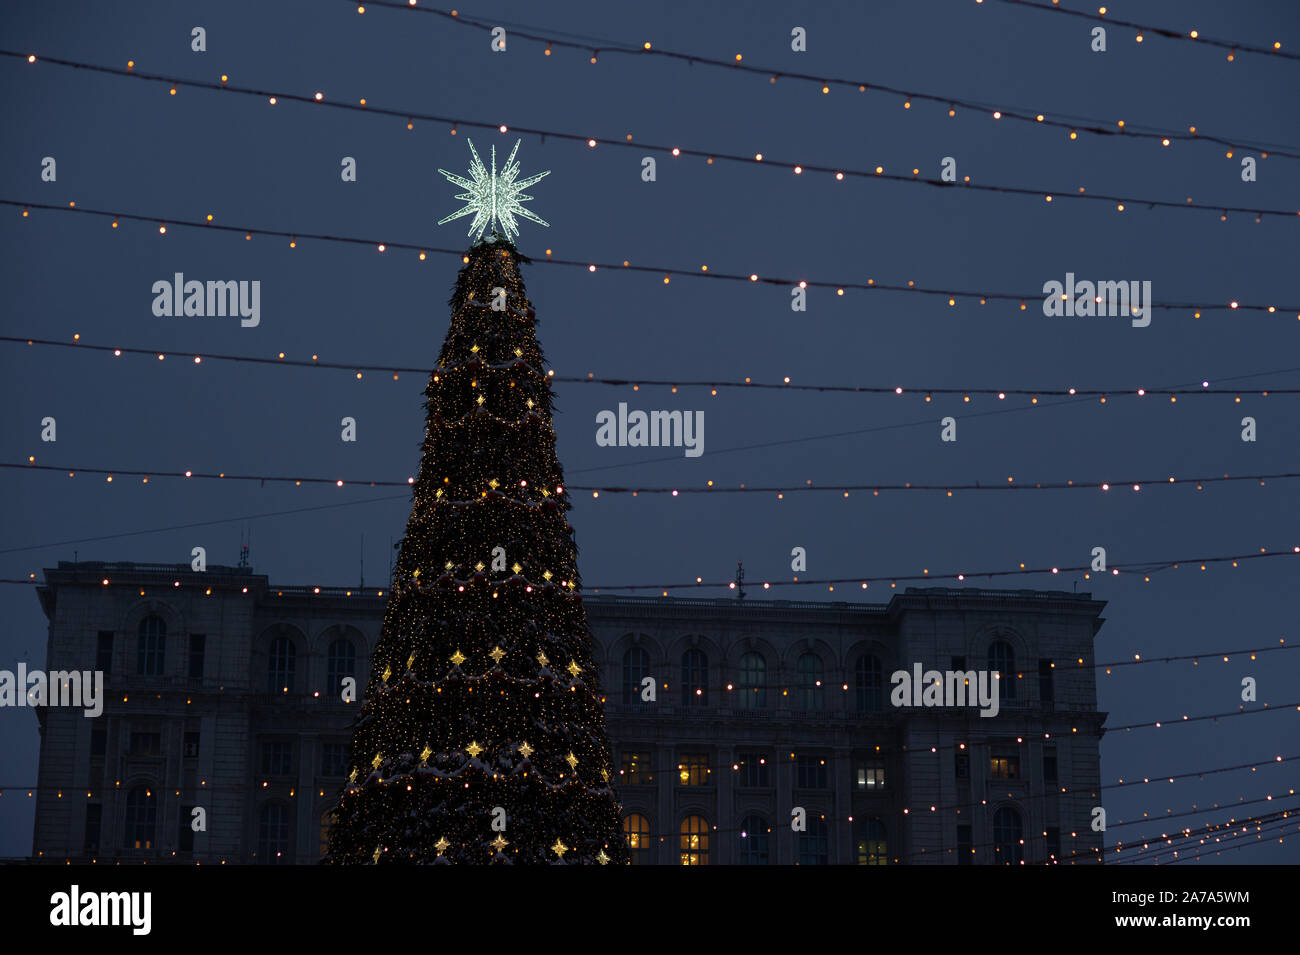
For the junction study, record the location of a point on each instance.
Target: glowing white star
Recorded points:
(494, 199)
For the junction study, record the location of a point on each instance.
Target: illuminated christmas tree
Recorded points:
(482, 736)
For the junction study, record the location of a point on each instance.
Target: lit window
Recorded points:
(637, 829)
(870, 842)
(693, 769)
(695, 841)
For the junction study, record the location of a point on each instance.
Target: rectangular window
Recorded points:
(1054, 843)
(871, 775)
(185, 837)
(810, 773)
(198, 642)
(962, 765)
(754, 770)
(104, 652)
(94, 816)
(1046, 687)
(1004, 766)
(693, 769)
(192, 745)
(1049, 764)
(636, 768)
(98, 742)
(146, 744)
(965, 853)
(277, 758)
(334, 759)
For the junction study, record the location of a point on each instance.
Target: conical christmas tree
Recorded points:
(482, 736)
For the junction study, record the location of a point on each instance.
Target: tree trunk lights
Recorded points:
(482, 736)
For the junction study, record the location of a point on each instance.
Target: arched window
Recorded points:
(754, 841)
(340, 663)
(280, 665)
(274, 834)
(1007, 835)
(1002, 658)
(150, 649)
(636, 828)
(695, 678)
(809, 688)
(753, 681)
(141, 817)
(868, 677)
(636, 667)
(815, 843)
(695, 841)
(871, 842)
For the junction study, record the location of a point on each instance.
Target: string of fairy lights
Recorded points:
(1048, 118)
(739, 688)
(1193, 35)
(1136, 485)
(786, 384)
(269, 784)
(1146, 818)
(1278, 823)
(954, 296)
(1203, 851)
(1232, 828)
(840, 173)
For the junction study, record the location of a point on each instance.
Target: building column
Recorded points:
(725, 817)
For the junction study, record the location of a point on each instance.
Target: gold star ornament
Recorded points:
(499, 843)
(473, 749)
(525, 750)
(559, 848)
(573, 667)
(441, 845)
(571, 760)
(457, 658)
(425, 753)
(496, 654)
(602, 858)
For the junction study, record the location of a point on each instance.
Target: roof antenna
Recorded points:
(740, 580)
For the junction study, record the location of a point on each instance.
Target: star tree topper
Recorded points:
(494, 199)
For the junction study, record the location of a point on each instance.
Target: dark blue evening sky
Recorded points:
(126, 145)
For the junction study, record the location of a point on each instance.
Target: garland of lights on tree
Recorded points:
(482, 737)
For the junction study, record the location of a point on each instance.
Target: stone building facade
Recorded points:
(743, 731)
